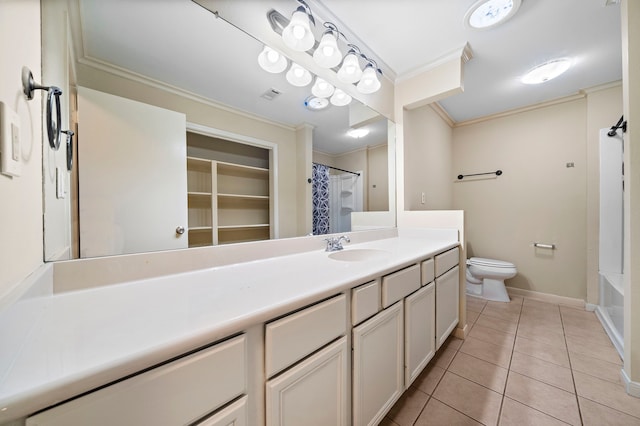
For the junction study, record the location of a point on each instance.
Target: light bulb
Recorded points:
(322, 89)
(327, 55)
(369, 82)
(271, 61)
(298, 76)
(340, 98)
(350, 71)
(297, 35)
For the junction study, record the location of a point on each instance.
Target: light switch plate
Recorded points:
(10, 158)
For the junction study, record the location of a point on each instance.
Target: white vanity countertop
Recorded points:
(87, 338)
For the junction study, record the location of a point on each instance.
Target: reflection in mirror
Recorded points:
(177, 56)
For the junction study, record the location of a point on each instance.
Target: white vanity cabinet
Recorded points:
(378, 365)
(447, 294)
(420, 342)
(306, 363)
(180, 392)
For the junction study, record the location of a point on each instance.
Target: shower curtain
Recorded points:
(320, 195)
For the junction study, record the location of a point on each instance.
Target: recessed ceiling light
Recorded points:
(547, 71)
(315, 103)
(485, 14)
(358, 133)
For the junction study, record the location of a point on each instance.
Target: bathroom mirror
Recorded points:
(182, 50)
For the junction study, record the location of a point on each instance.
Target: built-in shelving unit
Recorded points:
(228, 202)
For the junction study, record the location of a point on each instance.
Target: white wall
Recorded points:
(21, 214)
(427, 160)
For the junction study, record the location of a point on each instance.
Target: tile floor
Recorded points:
(523, 363)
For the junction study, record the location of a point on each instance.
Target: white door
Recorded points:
(132, 174)
(419, 331)
(378, 365)
(312, 393)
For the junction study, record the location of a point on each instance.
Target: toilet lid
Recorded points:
(490, 262)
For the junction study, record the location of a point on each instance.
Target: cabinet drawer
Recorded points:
(295, 336)
(176, 393)
(426, 267)
(400, 284)
(446, 261)
(365, 301)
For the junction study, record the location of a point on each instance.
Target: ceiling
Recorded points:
(174, 42)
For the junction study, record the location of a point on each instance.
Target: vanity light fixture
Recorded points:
(369, 82)
(298, 76)
(328, 55)
(272, 61)
(358, 133)
(547, 71)
(297, 34)
(350, 71)
(485, 14)
(340, 98)
(322, 89)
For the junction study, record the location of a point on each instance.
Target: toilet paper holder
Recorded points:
(545, 246)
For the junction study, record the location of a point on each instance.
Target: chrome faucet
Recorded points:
(335, 243)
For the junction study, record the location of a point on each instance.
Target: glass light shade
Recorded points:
(489, 13)
(315, 104)
(327, 55)
(350, 71)
(340, 98)
(322, 89)
(271, 61)
(369, 82)
(358, 133)
(298, 76)
(547, 71)
(297, 35)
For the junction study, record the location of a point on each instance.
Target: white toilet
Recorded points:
(485, 278)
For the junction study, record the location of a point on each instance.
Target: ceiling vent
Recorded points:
(271, 94)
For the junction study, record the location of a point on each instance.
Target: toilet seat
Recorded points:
(479, 261)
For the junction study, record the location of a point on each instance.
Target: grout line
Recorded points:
(573, 380)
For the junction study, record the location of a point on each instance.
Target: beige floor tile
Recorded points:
(501, 314)
(472, 316)
(543, 371)
(541, 306)
(593, 334)
(443, 357)
(583, 346)
(475, 304)
(594, 414)
(542, 335)
(409, 406)
(506, 307)
(595, 367)
(429, 378)
(554, 354)
(452, 342)
(529, 324)
(491, 335)
(517, 300)
(606, 393)
(481, 372)
(477, 402)
(497, 324)
(571, 312)
(517, 414)
(437, 413)
(542, 321)
(388, 422)
(543, 397)
(489, 352)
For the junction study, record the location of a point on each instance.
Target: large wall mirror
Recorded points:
(178, 56)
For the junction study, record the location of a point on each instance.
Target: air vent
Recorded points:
(271, 94)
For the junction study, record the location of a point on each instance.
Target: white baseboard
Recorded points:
(546, 297)
(461, 333)
(632, 388)
(590, 307)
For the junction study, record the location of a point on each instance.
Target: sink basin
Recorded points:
(358, 255)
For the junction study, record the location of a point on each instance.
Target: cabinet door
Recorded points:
(132, 173)
(447, 304)
(313, 392)
(378, 365)
(233, 415)
(419, 331)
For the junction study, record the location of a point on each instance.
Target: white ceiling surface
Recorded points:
(180, 43)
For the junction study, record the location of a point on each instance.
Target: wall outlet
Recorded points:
(10, 156)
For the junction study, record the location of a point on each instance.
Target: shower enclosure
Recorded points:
(335, 197)
(610, 307)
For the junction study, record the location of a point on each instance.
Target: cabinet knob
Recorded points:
(180, 230)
